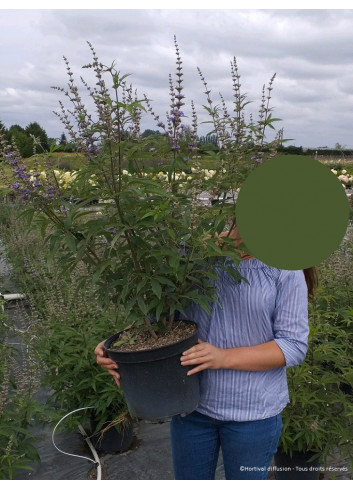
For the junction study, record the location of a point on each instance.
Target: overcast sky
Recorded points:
(311, 52)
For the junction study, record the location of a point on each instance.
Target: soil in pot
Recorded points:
(179, 331)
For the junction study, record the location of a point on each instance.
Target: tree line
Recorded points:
(33, 138)
(26, 137)
(338, 150)
(34, 135)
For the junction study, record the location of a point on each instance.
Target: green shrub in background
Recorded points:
(67, 324)
(19, 410)
(319, 418)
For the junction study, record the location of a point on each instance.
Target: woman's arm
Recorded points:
(265, 356)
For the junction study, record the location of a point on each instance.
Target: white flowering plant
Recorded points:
(344, 177)
(153, 245)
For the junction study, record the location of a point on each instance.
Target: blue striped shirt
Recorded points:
(273, 307)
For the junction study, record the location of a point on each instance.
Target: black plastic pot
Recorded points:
(114, 439)
(346, 389)
(155, 384)
(296, 467)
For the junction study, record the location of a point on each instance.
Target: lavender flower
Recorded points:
(176, 112)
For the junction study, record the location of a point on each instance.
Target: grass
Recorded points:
(60, 160)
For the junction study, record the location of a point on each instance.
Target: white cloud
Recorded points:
(310, 50)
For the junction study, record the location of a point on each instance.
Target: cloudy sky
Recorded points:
(311, 52)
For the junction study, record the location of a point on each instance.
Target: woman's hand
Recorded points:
(204, 355)
(106, 362)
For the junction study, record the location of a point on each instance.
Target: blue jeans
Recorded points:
(247, 447)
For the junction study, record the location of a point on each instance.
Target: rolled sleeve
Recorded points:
(291, 324)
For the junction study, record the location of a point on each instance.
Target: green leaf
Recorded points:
(5, 191)
(142, 305)
(156, 287)
(141, 284)
(71, 242)
(96, 276)
(164, 280)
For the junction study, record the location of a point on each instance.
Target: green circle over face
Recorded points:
(292, 212)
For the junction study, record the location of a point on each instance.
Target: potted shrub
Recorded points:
(151, 245)
(76, 382)
(317, 424)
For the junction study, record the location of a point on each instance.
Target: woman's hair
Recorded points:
(312, 280)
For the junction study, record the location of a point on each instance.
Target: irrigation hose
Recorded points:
(94, 453)
(96, 460)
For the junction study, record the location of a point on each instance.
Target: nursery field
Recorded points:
(113, 242)
(72, 161)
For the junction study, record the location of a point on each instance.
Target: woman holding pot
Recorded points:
(245, 346)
